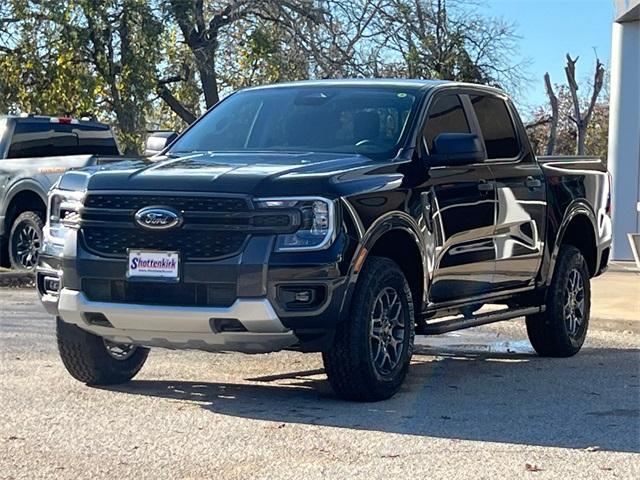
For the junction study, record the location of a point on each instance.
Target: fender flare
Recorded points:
(576, 208)
(24, 185)
(391, 221)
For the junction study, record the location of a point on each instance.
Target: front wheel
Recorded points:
(561, 329)
(370, 356)
(94, 360)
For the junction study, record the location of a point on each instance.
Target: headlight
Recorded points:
(317, 229)
(63, 213)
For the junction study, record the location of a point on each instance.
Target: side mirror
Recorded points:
(158, 141)
(457, 149)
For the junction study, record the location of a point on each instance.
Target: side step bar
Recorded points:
(445, 326)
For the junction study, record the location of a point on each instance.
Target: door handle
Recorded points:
(532, 183)
(485, 186)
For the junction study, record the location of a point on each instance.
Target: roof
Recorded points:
(390, 82)
(48, 118)
(387, 82)
(627, 11)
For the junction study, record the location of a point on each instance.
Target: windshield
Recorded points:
(347, 119)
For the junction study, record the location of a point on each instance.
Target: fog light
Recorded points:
(303, 296)
(51, 285)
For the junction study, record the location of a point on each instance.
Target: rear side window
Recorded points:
(96, 141)
(446, 115)
(500, 137)
(41, 139)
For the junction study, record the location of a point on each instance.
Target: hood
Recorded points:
(254, 173)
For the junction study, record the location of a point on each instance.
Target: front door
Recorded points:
(459, 212)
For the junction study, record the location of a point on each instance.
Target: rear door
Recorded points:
(459, 210)
(520, 192)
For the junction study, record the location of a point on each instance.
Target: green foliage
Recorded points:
(119, 40)
(158, 64)
(42, 70)
(260, 54)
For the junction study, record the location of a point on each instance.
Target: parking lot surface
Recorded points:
(477, 404)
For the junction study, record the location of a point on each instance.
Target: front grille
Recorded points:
(192, 244)
(168, 294)
(179, 202)
(214, 226)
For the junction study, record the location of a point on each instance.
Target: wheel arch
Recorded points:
(395, 236)
(25, 196)
(578, 228)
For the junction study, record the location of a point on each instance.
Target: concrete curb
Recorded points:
(16, 279)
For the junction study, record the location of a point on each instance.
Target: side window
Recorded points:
(97, 141)
(446, 115)
(500, 138)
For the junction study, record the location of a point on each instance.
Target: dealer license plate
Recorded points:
(153, 264)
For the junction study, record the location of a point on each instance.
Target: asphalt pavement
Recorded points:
(477, 404)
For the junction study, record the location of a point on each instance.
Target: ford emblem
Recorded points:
(158, 218)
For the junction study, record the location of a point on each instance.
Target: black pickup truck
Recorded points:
(34, 152)
(339, 217)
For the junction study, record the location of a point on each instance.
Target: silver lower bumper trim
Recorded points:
(181, 327)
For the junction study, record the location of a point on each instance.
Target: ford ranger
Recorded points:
(340, 217)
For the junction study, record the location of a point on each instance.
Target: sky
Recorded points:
(549, 29)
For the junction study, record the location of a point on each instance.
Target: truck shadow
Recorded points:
(588, 401)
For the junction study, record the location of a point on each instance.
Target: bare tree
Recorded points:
(340, 42)
(448, 40)
(581, 119)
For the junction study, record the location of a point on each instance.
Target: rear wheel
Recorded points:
(25, 240)
(372, 349)
(561, 329)
(94, 360)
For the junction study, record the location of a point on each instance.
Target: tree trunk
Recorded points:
(204, 52)
(553, 128)
(128, 110)
(209, 85)
(174, 104)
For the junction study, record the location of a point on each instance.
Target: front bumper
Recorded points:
(178, 327)
(158, 314)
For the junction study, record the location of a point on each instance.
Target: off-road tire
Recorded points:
(349, 364)
(29, 219)
(548, 331)
(85, 357)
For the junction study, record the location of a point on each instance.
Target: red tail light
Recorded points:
(63, 120)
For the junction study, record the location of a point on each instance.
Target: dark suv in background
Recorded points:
(34, 152)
